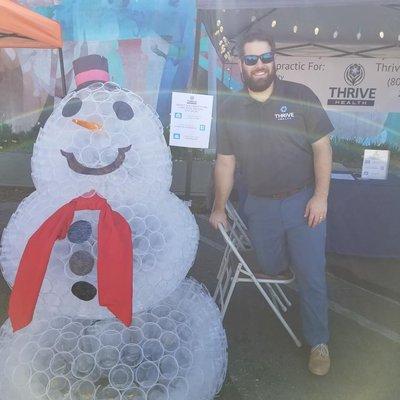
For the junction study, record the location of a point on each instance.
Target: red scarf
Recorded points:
(114, 261)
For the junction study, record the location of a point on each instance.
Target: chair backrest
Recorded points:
(238, 232)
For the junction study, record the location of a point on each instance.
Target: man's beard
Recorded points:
(258, 84)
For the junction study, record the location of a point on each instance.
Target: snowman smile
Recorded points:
(79, 168)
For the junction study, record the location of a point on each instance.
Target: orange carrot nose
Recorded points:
(92, 126)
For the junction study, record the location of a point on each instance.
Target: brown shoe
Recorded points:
(320, 361)
(283, 277)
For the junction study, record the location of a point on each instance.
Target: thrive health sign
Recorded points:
(348, 84)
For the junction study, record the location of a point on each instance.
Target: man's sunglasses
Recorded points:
(265, 58)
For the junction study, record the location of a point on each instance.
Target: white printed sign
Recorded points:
(375, 164)
(347, 84)
(191, 116)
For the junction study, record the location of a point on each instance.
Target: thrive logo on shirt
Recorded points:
(284, 115)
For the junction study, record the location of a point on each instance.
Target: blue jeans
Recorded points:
(281, 238)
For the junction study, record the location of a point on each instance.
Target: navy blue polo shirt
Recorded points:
(272, 140)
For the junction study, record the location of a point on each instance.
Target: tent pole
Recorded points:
(195, 78)
(64, 84)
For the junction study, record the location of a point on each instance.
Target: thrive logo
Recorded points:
(354, 74)
(351, 95)
(284, 115)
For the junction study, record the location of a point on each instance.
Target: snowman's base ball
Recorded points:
(174, 351)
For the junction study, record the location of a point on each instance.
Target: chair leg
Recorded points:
(231, 289)
(277, 313)
(275, 297)
(283, 295)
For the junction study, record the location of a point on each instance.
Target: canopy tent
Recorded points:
(306, 27)
(23, 28)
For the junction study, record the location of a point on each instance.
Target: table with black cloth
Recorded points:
(364, 217)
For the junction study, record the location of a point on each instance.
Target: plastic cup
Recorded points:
(61, 363)
(41, 360)
(153, 223)
(107, 357)
(151, 330)
(88, 344)
(157, 241)
(170, 341)
(158, 392)
(59, 322)
(147, 374)
(38, 384)
(184, 357)
(110, 338)
(82, 390)
(131, 355)
(21, 375)
(178, 389)
(167, 324)
(66, 342)
(168, 367)
(107, 393)
(134, 394)
(147, 317)
(153, 350)
(120, 377)
(132, 335)
(161, 311)
(73, 327)
(58, 388)
(49, 338)
(83, 366)
(184, 332)
(178, 316)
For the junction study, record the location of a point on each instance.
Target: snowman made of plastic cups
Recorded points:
(102, 239)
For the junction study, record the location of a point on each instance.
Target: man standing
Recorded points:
(277, 131)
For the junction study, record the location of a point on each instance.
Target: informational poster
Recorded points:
(375, 164)
(191, 116)
(346, 84)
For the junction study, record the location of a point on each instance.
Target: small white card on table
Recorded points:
(375, 164)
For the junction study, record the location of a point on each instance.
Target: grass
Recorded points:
(21, 141)
(350, 153)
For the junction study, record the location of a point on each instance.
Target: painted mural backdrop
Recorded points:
(149, 45)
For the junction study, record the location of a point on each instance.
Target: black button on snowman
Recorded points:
(103, 139)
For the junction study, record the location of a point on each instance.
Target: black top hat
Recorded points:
(90, 69)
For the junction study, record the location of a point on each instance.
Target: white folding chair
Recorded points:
(238, 233)
(234, 269)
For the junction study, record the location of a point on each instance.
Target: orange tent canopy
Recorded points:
(21, 27)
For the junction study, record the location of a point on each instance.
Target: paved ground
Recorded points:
(263, 361)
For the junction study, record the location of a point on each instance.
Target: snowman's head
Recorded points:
(101, 137)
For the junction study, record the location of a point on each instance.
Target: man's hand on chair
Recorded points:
(218, 217)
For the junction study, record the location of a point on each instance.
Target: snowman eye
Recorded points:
(72, 107)
(123, 110)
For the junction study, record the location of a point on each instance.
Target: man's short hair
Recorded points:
(255, 36)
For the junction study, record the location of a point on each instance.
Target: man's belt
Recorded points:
(288, 193)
